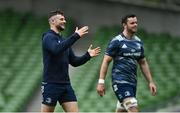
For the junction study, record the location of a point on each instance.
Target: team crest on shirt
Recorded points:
(127, 93)
(48, 100)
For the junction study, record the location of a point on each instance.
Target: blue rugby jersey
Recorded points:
(57, 55)
(125, 54)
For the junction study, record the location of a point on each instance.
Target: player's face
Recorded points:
(131, 25)
(60, 22)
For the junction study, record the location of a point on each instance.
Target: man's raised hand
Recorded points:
(94, 52)
(82, 31)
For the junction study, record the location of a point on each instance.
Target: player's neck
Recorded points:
(54, 29)
(128, 35)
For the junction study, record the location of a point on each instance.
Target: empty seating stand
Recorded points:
(21, 66)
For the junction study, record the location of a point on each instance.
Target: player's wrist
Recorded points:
(101, 81)
(150, 81)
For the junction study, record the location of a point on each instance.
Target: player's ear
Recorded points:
(124, 24)
(51, 21)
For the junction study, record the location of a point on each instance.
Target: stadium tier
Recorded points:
(21, 66)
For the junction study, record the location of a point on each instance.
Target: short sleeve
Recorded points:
(142, 51)
(112, 48)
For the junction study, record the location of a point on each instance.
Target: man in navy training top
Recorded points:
(57, 55)
(126, 50)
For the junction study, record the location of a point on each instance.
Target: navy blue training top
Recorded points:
(125, 54)
(57, 55)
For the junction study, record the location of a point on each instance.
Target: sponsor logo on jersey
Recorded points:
(132, 54)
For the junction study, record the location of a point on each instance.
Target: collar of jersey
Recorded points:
(122, 35)
(57, 34)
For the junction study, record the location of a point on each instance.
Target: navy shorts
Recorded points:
(123, 91)
(53, 93)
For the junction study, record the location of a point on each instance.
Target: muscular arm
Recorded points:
(104, 67)
(146, 72)
(145, 69)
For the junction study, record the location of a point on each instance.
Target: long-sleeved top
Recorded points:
(57, 55)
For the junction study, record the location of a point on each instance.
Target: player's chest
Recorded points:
(130, 49)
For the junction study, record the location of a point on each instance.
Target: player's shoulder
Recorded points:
(48, 35)
(137, 38)
(118, 38)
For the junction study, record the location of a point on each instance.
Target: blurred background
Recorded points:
(22, 23)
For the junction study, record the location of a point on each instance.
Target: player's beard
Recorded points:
(60, 27)
(132, 30)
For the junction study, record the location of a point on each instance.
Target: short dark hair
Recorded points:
(125, 18)
(52, 13)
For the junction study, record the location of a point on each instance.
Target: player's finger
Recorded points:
(85, 28)
(76, 28)
(100, 93)
(90, 46)
(153, 90)
(85, 32)
(97, 48)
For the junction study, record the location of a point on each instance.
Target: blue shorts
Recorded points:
(53, 93)
(123, 91)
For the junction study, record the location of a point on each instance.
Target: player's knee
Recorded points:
(130, 104)
(120, 108)
(70, 107)
(46, 108)
(133, 109)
